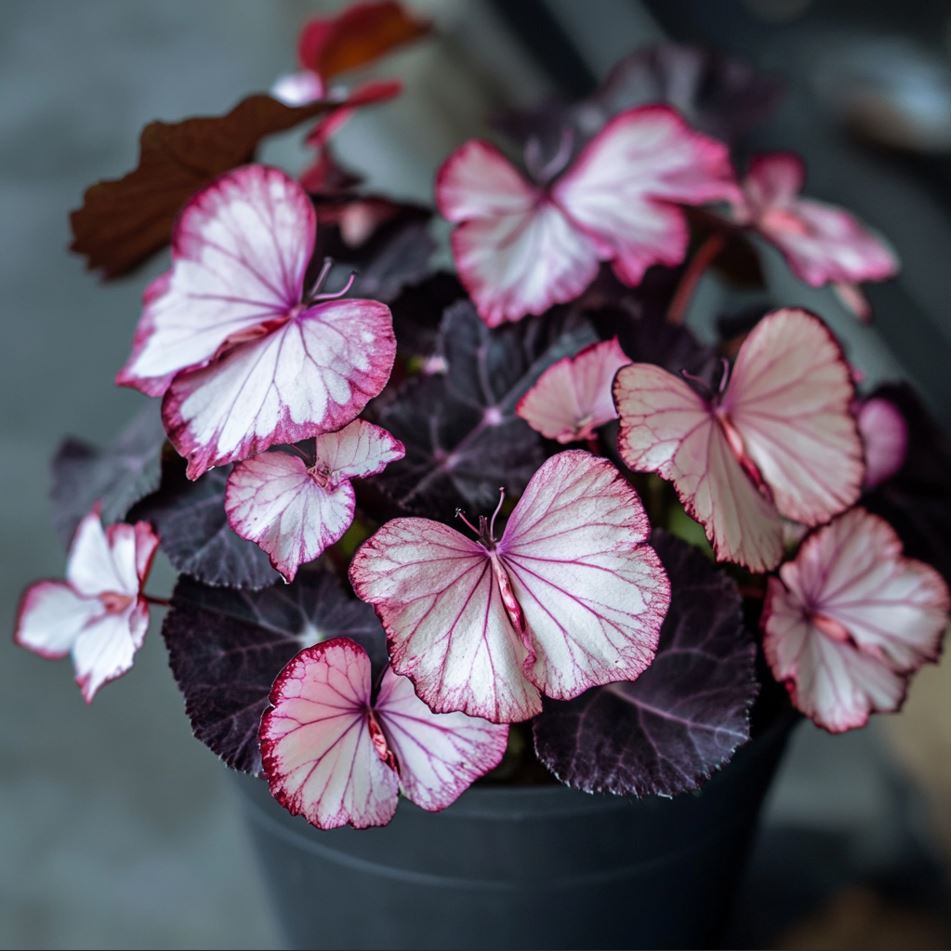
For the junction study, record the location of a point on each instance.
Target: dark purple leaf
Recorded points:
(194, 531)
(226, 647)
(462, 437)
(916, 501)
(684, 717)
(717, 95)
(418, 311)
(117, 477)
(394, 252)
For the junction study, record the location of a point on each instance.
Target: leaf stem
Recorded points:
(702, 259)
(160, 602)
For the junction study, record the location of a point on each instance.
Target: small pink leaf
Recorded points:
(520, 248)
(780, 440)
(294, 511)
(98, 614)
(885, 437)
(821, 243)
(569, 597)
(337, 756)
(572, 398)
(850, 620)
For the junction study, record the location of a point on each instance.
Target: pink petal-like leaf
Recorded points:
(684, 717)
(318, 752)
(293, 510)
(822, 243)
(226, 647)
(240, 251)
(439, 755)
(885, 437)
(516, 251)
(313, 374)
(98, 614)
(568, 598)
(850, 620)
(668, 428)
(520, 248)
(780, 440)
(623, 188)
(572, 398)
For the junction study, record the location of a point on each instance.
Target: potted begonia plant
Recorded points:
(510, 542)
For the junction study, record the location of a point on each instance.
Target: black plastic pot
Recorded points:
(521, 867)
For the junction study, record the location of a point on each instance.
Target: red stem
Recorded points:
(701, 260)
(161, 602)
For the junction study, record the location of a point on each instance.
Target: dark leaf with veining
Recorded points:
(684, 717)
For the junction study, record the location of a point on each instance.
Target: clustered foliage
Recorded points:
(515, 522)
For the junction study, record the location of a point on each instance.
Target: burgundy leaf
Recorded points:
(116, 477)
(462, 436)
(123, 221)
(418, 311)
(226, 647)
(195, 535)
(684, 717)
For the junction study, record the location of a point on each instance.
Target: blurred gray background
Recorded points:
(117, 829)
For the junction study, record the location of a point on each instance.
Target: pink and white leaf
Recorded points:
(299, 88)
(313, 374)
(240, 251)
(318, 753)
(438, 755)
(515, 251)
(520, 248)
(568, 598)
(294, 511)
(884, 433)
(572, 398)
(821, 243)
(850, 620)
(789, 399)
(668, 428)
(437, 597)
(779, 441)
(357, 451)
(275, 501)
(99, 613)
(624, 187)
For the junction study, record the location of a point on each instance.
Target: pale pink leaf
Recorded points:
(520, 248)
(885, 436)
(240, 251)
(789, 399)
(99, 613)
(318, 753)
(357, 451)
(851, 619)
(438, 755)
(516, 252)
(294, 511)
(668, 428)
(624, 187)
(313, 374)
(568, 598)
(821, 243)
(572, 398)
(592, 593)
(277, 502)
(448, 631)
